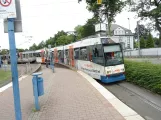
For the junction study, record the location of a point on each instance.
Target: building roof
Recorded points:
(115, 26)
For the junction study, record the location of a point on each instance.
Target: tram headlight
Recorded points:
(123, 69)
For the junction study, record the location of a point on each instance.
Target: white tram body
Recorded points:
(28, 56)
(99, 57)
(41, 55)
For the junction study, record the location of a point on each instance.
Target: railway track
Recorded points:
(145, 103)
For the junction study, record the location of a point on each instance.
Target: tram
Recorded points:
(99, 57)
(41, 55)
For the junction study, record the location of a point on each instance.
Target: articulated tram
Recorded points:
(99, 57)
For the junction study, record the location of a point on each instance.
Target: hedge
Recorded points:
(144, 74)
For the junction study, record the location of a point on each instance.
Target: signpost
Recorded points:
(8, 11)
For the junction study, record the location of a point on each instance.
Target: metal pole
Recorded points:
(138, 37)
(14, 70)
(129, 23)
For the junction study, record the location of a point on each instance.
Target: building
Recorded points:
(123, 36)
(119, 34)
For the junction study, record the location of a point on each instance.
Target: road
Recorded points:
(145, 103)
(152, 60)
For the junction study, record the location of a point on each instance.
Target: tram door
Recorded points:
(43, 56)
(55, 55)
(71, 56)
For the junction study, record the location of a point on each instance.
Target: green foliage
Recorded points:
(20, 50)
(156, 41)
(4, 51)
(64, 39)
(33, 47)
(148, 9)
(150, 42)
(89, 28)
(79, 30)
(110, 9)
(41, 45)
(143, 32)
(142, 43)
(144, 74)
(135, 44)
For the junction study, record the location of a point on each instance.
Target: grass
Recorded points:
(4, 76)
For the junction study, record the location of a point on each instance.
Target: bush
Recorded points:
(144, 74)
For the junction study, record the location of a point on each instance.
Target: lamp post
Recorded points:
(129, 33)
(138, 37)
(129, 22)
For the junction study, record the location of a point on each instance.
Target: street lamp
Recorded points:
(138, 37)
(129, 22)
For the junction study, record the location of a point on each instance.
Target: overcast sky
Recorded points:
(44, 18)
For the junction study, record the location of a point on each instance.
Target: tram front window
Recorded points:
(113, 55)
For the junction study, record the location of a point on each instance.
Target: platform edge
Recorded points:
(127, 112)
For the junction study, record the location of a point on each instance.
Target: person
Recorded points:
(46, 60)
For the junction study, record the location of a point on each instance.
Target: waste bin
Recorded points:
(40, 86)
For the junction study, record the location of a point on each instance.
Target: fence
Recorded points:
(151, 52)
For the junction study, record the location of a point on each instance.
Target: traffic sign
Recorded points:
(5, 3)
(99, 1)
(7, 9)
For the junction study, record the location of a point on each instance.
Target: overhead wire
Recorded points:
(53, 14)
(44, 4)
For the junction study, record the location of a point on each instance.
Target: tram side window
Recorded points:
(97, 54)
(62, 54)
(83, 53)
(76, 54)
(59, 54)
(66, 53)
(30, 54)
(23, 55)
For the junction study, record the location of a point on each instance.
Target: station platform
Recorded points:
(69, 95)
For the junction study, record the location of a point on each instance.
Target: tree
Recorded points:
(41, 45)
(148, 9)
(89, 28)
(20, 50)
(33, 47)
(150, 42)
(79, 30)
(64, 40)
(143, 32)
(4, 51)
(142, 43)
(109, 9)
(135, 44)
(50, 41)
(156, 41)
